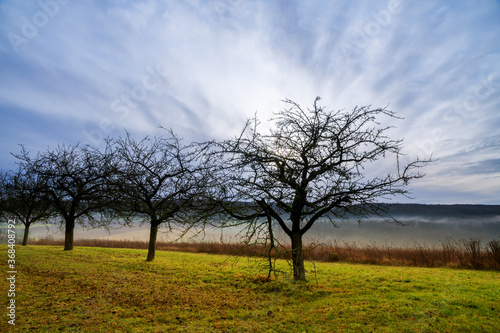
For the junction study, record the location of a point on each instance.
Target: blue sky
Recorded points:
(77, 71)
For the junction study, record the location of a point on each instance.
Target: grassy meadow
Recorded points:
(470, 254)
(116, 290)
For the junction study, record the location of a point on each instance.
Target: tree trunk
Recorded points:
(153, 231)
(68, 235)
(26, 233)
(299, 272)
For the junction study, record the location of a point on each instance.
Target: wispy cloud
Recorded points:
(95, 68)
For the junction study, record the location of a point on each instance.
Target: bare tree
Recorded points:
(158, 183)
(74, 179)
(310, 166)
(24, 198)
(3, 193)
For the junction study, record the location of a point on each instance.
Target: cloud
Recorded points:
(86, 73)
(490, 166)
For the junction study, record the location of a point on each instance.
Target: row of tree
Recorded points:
(309, 166)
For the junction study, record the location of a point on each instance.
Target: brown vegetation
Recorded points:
(468, 254)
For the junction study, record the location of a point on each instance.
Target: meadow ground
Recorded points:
(463, 253)
(116, 290)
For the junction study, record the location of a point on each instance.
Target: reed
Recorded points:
(461, 253)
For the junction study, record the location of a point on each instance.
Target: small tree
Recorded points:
(310, 166)
(3, 193)
(74, 179)
(25, 198)
(157, 182)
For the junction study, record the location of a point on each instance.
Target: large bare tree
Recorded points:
(311, 166)
(158, 182)
(74, 182)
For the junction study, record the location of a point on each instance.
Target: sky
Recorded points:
(79, 71)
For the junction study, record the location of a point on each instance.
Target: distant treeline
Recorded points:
(444, 211)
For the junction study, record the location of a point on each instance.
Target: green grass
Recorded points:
(115, 290)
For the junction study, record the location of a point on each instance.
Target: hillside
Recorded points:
(444, 211)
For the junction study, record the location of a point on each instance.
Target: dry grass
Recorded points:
(93, 289)
(460, 254)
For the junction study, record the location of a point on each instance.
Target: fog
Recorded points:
(419, 230)
(412, 231)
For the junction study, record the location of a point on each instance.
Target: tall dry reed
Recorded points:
(461, 254)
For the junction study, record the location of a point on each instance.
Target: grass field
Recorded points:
(470, 254)
(115, 290)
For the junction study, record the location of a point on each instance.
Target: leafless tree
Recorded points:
(74, 178)
(310, 166)
(158, 181)
(24, 199)
(3, 193)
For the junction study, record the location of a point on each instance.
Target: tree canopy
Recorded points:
(311, 166)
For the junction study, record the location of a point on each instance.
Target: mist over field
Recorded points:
(431, 232)
(423, 224)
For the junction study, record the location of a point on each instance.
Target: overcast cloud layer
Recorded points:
(77, 71)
